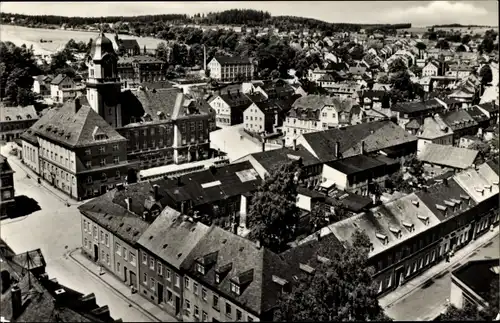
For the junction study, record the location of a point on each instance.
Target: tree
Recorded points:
(486, 75)
(466, 39)
(461, 48)
(417, 70)
(442, 44)
(273, 215)
(384, 79)
(339, 290)
(131, 176)
(398, 183)
(421, 47)
(487, 45)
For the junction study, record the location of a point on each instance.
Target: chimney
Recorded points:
(17, 304)
(337, 149)
(128, 201)
(60, 296)
(283, 141)
(294, 144)
(155, 189)
(78, 105)
(362, 151)
(257, 244)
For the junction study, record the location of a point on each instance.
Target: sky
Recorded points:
(418, 13)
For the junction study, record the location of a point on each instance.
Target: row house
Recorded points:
(110, 233)
(135, 70)
(447, 156)
(223, 274)
(412, 233)
(230, 106)
(460, 71)
(229, 69)
(163, 126)
(318, 112)
(164, 247)
(490, 109)
(345, 90)
(345, 142)
(79, 153)
(15, 120)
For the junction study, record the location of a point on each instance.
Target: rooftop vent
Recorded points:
(308, 269)
(409, 226)
(424, 219)
(441, 207)
(396, 231)
(165, 245)
(465, 197)
(415, 202)
(449, 203)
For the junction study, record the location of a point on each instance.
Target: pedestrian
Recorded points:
(101, 271)
(447, 257)
(132, 289)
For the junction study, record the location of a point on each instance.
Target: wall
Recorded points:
(126, 256)
(30, 156)
(254, 119)
(223, 111)
(303, 202)
(334, 175)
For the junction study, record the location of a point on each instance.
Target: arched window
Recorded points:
(108, 67)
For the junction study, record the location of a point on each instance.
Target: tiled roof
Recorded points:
(271, 158)
(215, 184)
(129, 43)
(142, 196)
(226, 60)
(434, 127)
(171, 237)
(17, 113)
(490, 106)
(253, 267)
(72, 129)
(479, 276)
(139, 59)
(115, 218)
(477, 186)
(494, 166)
(413, 124)
(446, 190)
(409, 107)
(355, 164)
(402, 216)
(152, 102)
(377, 135)
(58, 79)
(317, 102)
(449, 156)
(477, 114)
(458, 119)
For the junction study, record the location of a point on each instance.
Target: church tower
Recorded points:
(103, 84)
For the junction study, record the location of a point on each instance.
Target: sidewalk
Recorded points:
(388, 300)
(145, 306)
(52, 190)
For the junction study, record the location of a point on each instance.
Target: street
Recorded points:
(55, 229)
(427, 301)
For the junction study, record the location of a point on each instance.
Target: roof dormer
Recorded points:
(383, 238)
(396, 232)
(205, 262)
(221, 272)
(239, 282)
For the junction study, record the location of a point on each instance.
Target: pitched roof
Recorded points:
(139, 59)
(317, 102)
(72, 129)
(449, 156)
(129, 43)
(458, 119)
(226, 60)
(479, 275)
(377, 135)
(355, 164)
(4, 165)
(59, 79)
(480, 186)
(434, 127)
(171, 237)
(241, 261)
(114, 217)
(490, 106)
(417, 106)
(271, 158)
(477, 114)
(17, 113)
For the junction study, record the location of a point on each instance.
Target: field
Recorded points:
(31, 36)
(472, 30)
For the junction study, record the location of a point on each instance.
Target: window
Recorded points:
(216, 302)
(102, 149)
(106, 239)
(117, 175)
(88, 151)
(124, 253)
(85, 242)
(160, 269)
(89, 179)
(103, 176)
(103, 162)
(188, 305)
(200, 269)
(177, 281)
(186, 283)
(204, 294)
(132, 258)
(95, 233)
(152, 282)
(196, 311)
(107, 259)
(101, 236)
(115, 147)
(195, 288)
(217, 278)
(151, 263)
(144, 258)
(88, 164)
(168, 275)
(238, 315)
(235, 288)
(116, 159)
(204, 316)
(145, 279)
(228, 309)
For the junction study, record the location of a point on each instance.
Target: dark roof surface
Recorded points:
(478, 275)
(226, 60)
(355, 164)
(273, 158)
(377, 135)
